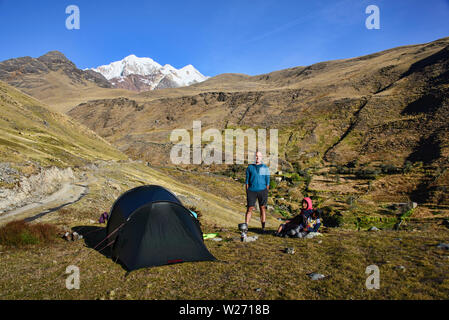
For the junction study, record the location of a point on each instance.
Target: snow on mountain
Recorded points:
(142, 74)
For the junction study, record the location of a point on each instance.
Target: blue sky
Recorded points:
(243, 36)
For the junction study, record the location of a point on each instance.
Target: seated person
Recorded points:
(313, 221)
(298, 221)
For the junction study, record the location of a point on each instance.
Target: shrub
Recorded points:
(308, 180)
(367, 173)
(20, 233)
(389, 168)
(351, 200)
(342, 169)
(282, 210)
(331, 220)
(352, 164)
(295, 177)
(407, 167)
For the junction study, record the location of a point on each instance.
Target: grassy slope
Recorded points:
(57, 91)
(30, 132)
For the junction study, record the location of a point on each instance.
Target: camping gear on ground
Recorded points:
(209, 235)
(103, 218)
(294, 231)
(243, 227)
(149, 226)
(73, 236)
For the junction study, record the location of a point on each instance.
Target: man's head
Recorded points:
(258, 157)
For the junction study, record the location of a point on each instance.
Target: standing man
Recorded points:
(257, 185)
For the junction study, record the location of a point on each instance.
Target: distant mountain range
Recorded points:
(143, 74)
(131, 73)
(59, 83)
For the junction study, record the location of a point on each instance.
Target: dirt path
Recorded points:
(70, 192)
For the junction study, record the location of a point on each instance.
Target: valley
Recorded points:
(366, 138)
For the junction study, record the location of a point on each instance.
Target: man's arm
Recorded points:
(247, 178)
(267, 178)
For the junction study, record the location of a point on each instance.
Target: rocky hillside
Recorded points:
(15, 71)
(55, 80)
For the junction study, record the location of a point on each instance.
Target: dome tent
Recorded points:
(149, 226)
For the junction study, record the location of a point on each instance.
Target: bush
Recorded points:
(295, 177)
(352, 164)
(368, 173)
(389, 168)
(20, 233)
(307, 181)
(407, 167)
(331, 220)
(343, 170)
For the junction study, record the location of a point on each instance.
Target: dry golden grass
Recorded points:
(31, 132)
(61, 94)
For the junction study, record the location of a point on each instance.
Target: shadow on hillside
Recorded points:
(428, 150)
(426, 104)
(438, 57)
(94, 238)
(259, 231)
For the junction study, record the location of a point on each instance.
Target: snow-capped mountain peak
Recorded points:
(142, 74)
